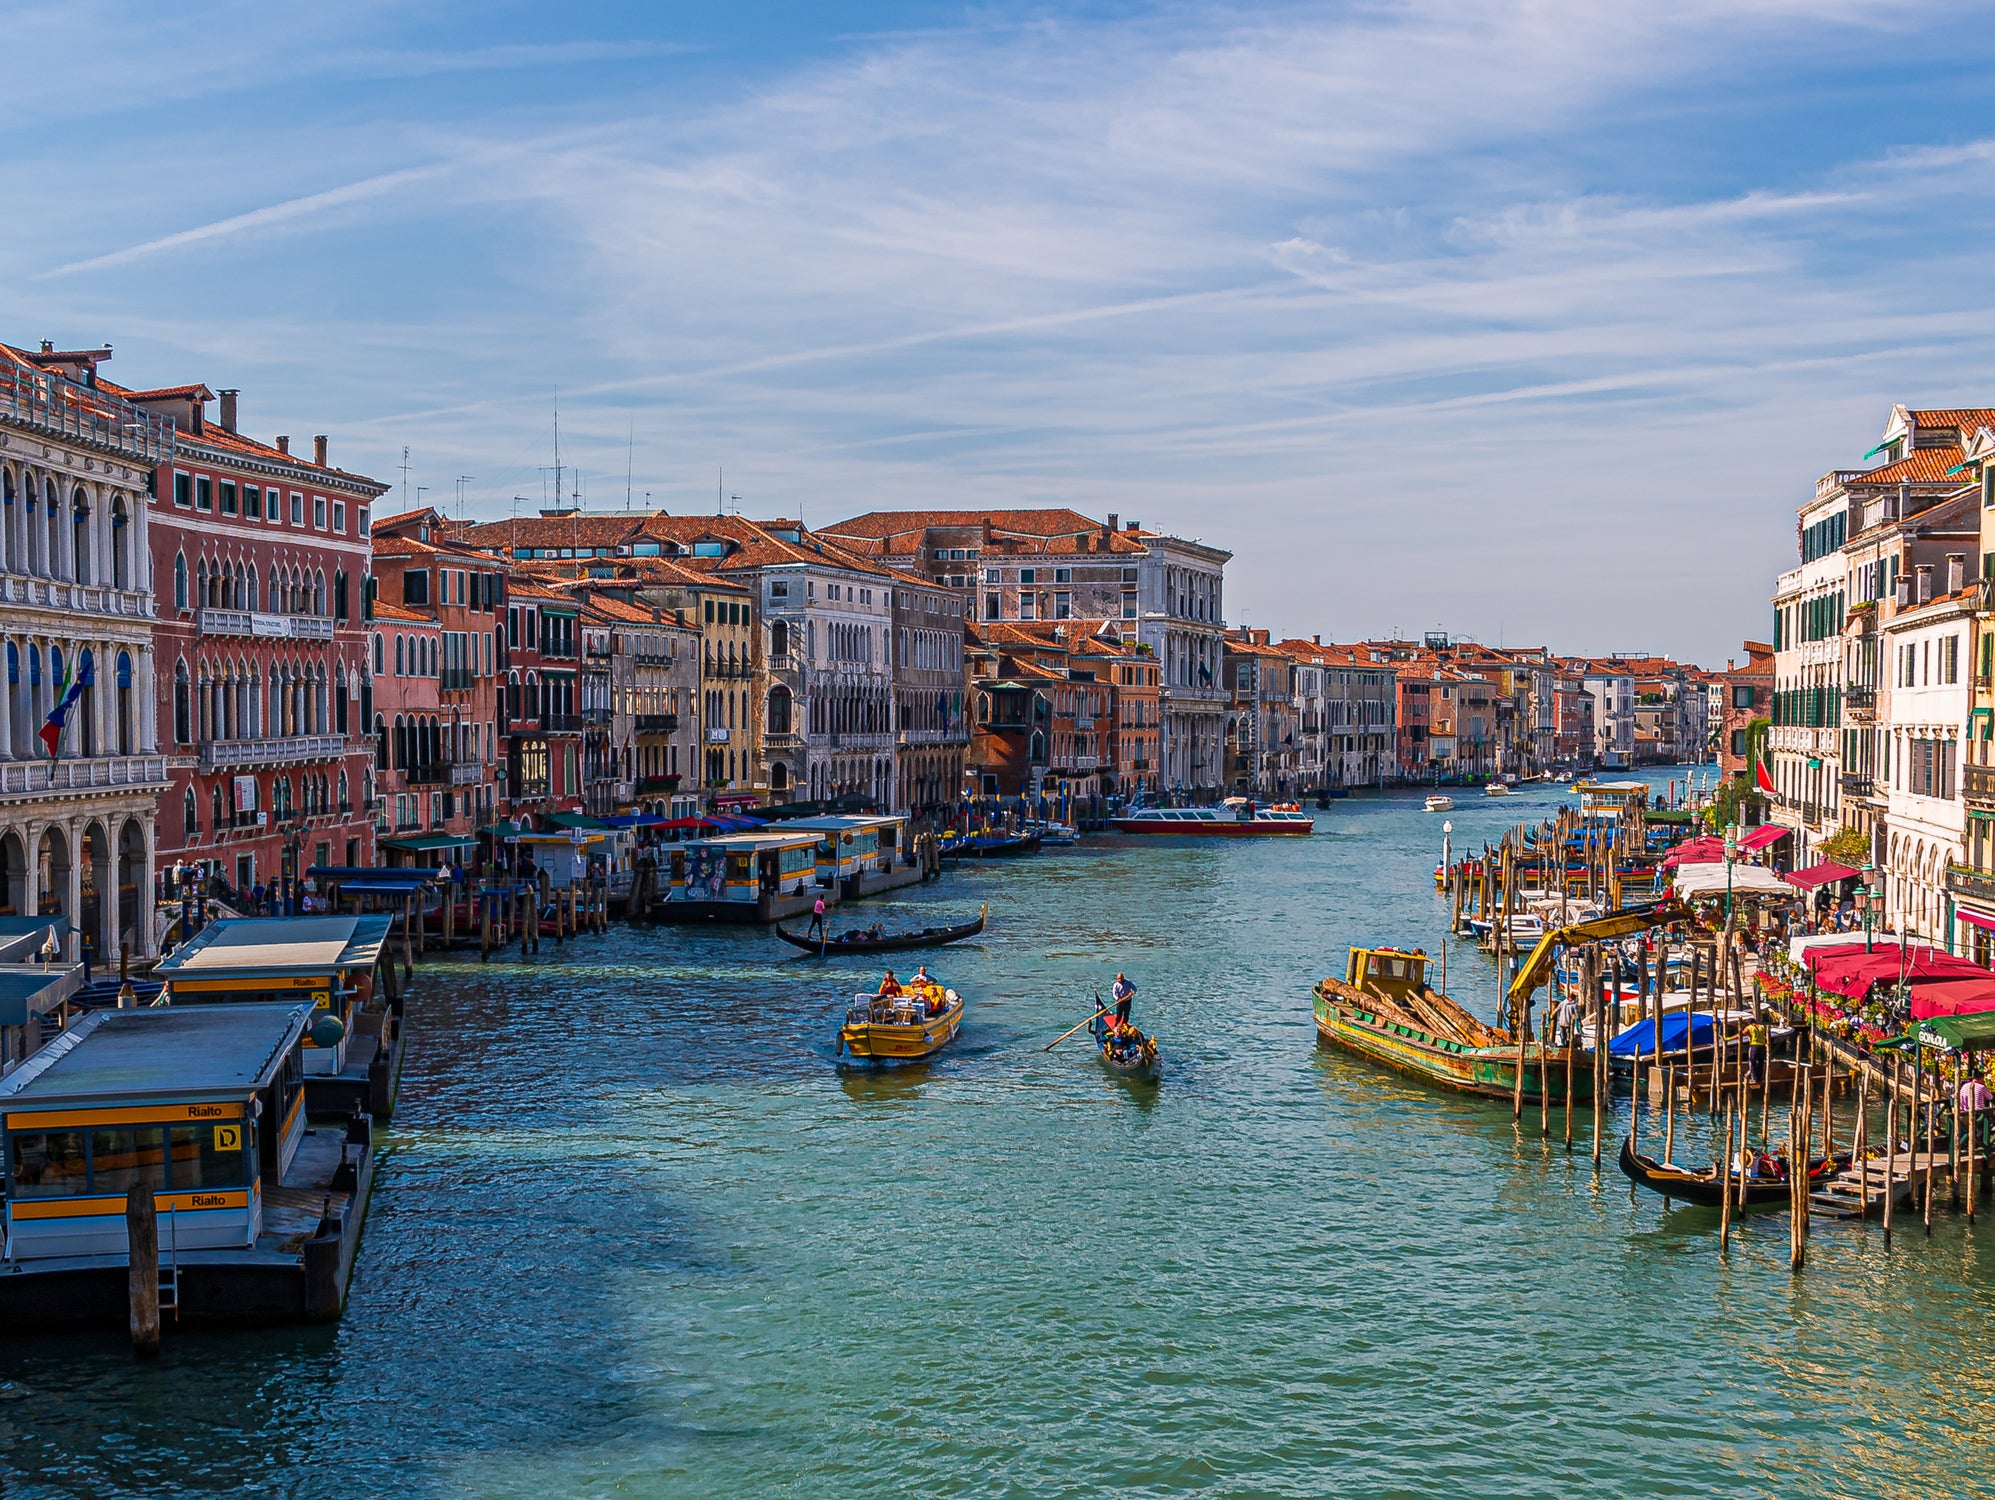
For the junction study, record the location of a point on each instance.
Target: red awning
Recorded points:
(1825, 873)
(1765, 837)
(1953, 997)
(1703, 850)
(1845, 969)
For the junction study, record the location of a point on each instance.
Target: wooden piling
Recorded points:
(1859, 1146)
(142, 1268)
(1725, 1191)
(484, 928)
(1669, 1113)
(1891, 1146)
(1919, 1101)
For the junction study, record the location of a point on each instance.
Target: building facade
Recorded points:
(78, 829)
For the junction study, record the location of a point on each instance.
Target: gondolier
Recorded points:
(1756, 1048)
(1122, 992)
(816, 928)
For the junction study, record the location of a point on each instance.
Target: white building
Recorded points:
(1927, 654)
(77, 831)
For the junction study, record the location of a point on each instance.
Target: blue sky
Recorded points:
(1531, 321)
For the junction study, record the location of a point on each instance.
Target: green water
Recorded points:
(634, 1235)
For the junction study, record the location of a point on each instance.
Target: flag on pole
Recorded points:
(1761, 779)
(82, 671)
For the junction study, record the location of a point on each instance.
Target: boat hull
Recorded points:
(898, 942)
(1146, 1068)
(1488, 1072)
(1692, 1187)
(887, 1043)
(1217, 829)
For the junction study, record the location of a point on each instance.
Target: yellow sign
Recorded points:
(228, 1137)
(322, 999)
(189, 986)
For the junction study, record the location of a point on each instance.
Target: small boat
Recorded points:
(857, 941)
(1440, 802)
(1054, 834)
(995, 846)
(1707, 1187)
(1137, 1060)
(900, 1028)
(1498, 789)
(1383, 1011)
(1238, 818)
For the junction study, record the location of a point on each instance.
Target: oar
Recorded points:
(1101, 1010)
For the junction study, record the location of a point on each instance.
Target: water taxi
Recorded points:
(1498, 789)
(1238, 818)
(1383, 1011)
(906, 1027)
(1440, 802)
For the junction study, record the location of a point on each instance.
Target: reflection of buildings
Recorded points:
(76, 831)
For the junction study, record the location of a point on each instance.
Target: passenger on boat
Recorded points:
(889, 986)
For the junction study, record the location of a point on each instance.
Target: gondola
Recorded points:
(1707, 1188)
(995, 848)
(856, 941)
(1139, 1064)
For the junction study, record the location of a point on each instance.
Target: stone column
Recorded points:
(72, 901)
(148, 858)
(145, 688)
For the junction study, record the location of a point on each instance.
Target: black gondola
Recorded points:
(1000, 848)
(1140, 1062)
(1707, 1188)
(856, 941)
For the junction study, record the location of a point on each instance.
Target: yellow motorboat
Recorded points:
(906, 1027)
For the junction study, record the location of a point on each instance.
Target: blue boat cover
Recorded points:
(1642, 1035)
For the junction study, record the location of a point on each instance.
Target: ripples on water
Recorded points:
(635, 1235)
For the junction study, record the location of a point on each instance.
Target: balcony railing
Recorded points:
(1854, 785)
(659, 784)
(561, 724)
(80, 598)
(657, 723)
(466, 773)
(598, 716)
(48, 403)
(1857, 695)
(83, 773)
(1978, 782)
(426, 773)
(219, 754)
(251, 622)
(1977, 885)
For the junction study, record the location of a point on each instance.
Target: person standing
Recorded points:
(816, 928)
(1122, 992)
(1756, 1049)
(1974, 1101)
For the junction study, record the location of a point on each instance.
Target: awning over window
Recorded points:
(429, 843)
(1764, 837)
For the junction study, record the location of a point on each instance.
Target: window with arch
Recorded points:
(179, 580)
(190, 816)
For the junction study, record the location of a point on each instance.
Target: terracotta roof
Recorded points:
(383, 610)
(616, 609)
(1961, 418)
(552, 531)
(196, 392)
(1920, 466)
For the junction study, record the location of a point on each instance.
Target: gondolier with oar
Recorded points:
(1122, 992)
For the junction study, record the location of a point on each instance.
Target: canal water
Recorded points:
(635, 1235)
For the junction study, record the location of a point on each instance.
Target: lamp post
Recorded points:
(1869, 893)
(1731, 857)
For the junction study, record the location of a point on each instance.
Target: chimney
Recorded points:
(1956, 571)
(319, 450)
(48, 346)
(1904, 591)
(228, 410)
(1135, 525)
(1112, 519)
(283, 445)
(1316, 640)
(1922, 590)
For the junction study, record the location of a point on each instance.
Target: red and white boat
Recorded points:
(1238, 819)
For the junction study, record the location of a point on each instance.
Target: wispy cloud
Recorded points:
(1408, 279)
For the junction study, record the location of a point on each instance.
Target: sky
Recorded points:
(1531, 321)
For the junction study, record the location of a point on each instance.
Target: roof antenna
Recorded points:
(629, 463)
(557, 445)
(405, 476)
(719, 486)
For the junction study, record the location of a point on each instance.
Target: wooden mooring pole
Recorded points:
(142, 1267)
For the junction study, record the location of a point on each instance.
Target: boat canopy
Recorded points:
(1641, 1037)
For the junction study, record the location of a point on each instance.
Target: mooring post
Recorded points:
(142, 1267)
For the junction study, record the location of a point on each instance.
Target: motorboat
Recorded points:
(1440, 802)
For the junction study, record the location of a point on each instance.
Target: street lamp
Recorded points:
(1731, 855)
(1870, 893)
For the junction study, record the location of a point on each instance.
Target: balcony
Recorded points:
(219, 755)
(561, 724)
(263, 626)
(657, 723)
(782, 740)
(1976, 885)
(659, 783)
(598, 717)
(466, 773)
(429, 773)
(1977, 783)
(82, 774)
(46, 402)
(1857, 695)
(75, 598)
(1854, 785)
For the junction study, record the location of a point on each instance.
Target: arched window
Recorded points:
(398, 656)
(779, 638)
(379, 649)
(380, 744)
(779, 710)
(179, 580)
(79, 540)
(190, 819)
(121, 568)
